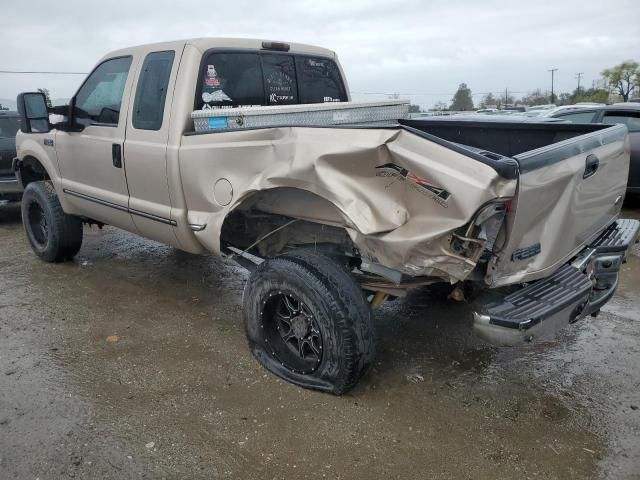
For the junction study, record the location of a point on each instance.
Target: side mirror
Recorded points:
(34, 116)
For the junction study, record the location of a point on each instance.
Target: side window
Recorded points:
(319, 81)
(630, 119)
(231, 80)
(151, 92)
(577, 117)
(100, 97)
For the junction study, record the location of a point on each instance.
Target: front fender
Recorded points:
(32, 146)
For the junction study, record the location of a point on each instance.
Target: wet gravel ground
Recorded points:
(130, 362)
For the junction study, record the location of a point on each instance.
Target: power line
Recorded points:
(29, 72)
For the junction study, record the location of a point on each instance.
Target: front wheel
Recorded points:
(307, 321)
(54, 236)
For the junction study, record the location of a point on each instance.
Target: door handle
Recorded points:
(116, 155)
(591, 165)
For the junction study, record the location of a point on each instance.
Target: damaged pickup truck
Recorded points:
(253, 150)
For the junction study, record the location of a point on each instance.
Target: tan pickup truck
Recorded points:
(254, 150)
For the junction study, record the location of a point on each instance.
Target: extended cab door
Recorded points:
(91, 161)
(145, 147)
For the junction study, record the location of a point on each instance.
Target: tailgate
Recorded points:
(568, 192)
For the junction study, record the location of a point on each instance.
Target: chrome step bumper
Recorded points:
(572, 292)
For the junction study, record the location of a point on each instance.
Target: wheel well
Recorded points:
(31, 170)
(273, 221)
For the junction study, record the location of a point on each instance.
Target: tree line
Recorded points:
(619, 84)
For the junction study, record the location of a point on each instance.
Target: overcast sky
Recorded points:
(410, 47)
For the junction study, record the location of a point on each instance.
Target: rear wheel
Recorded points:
(54, 236)
(308, 322)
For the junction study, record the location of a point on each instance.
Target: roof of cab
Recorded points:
(204, 44)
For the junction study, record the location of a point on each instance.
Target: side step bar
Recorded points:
(572, 292)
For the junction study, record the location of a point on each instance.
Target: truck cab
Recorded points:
(115, 157)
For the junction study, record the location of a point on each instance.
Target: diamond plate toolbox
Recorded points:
(309, 115)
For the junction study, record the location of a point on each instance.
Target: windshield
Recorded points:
(8, 127)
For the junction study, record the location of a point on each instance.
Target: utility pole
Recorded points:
(506, 97)
(579, 76)
(553, 70)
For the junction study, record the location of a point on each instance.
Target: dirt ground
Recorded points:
(131, 362)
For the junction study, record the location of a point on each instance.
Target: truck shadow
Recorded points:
(428, 334)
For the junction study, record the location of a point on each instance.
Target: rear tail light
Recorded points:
(482, 232)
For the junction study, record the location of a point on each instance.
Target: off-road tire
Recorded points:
(58, 236)
(339, 309)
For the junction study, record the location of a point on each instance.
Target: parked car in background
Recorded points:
(10, 188)
(625, 113)
(552, 111)
(537, 110)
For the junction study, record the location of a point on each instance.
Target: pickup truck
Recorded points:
(331, 219)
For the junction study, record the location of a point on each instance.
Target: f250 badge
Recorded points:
(422, 185)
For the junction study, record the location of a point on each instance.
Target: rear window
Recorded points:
(260, 79)
(8, 127)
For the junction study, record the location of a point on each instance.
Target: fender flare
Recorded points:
(18, 166)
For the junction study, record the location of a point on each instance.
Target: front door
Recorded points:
(91, 161)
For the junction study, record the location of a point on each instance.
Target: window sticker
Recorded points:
(212, 88)
(279, 80)
(215, 96)
(212, 79)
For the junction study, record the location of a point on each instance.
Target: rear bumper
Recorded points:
(576, 290)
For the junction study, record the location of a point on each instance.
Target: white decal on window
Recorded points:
(215, 96)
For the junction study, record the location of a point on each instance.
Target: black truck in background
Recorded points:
(10, 188)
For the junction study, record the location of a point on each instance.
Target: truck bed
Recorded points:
(571, 182)
(509, 139)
